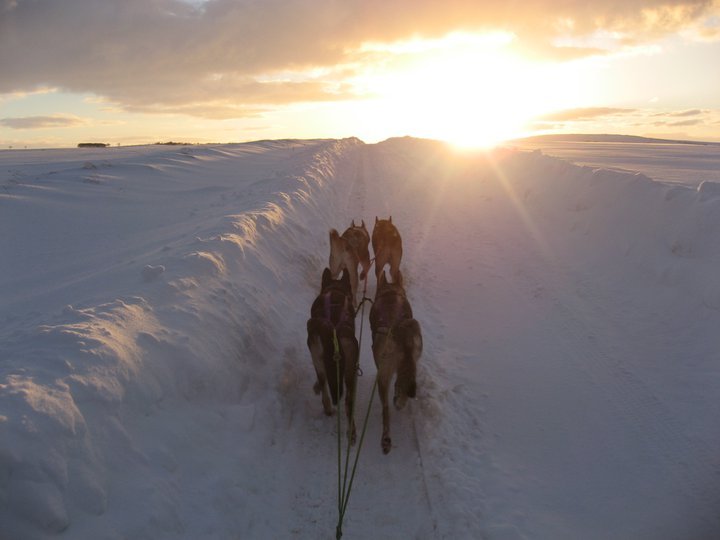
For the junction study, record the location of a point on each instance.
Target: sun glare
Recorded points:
(470, 90)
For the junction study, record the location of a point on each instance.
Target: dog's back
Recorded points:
(347, 251)
(391, 313)
(331, 316)
(333, 346)
(397, 346)
(358, 238)
(387, 247)
(390, 307)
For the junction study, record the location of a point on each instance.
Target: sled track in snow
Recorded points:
(423, 472)
(692, 465)
(591, 325)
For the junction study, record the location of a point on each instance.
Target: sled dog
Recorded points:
(332, 315)
(387, 247)
(347, 251)
(396, 345)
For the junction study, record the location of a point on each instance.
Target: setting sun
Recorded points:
(469, 90)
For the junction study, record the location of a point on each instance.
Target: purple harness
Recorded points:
(341, 317)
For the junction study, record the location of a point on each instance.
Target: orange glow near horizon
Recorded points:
(469, 90)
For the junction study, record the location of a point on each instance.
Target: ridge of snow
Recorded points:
(154, 379)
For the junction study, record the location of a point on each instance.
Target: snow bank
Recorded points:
(623, 222)
(154, 381)
(199, 324)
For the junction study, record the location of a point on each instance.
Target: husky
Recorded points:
(396, 344)
(332, 315)
(387, 247)
(347, 251)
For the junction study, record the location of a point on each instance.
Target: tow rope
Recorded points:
(345, 487)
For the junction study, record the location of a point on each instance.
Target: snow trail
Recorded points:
(159, 385)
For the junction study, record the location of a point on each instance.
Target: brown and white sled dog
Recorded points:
(332, 314)
(387, 247)
(397, 346)
(347, 251)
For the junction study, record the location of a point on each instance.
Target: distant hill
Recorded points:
(92, 145)
(605, 138)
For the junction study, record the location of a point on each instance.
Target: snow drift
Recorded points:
(154, 380)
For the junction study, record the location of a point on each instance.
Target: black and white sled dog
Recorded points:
(396, 345)
(331, 323)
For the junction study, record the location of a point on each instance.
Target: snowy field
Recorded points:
(155, 382)
(687, 164)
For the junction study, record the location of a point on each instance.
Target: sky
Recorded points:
(471, 72)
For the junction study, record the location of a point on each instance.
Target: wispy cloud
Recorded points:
(206, 58)
(688, 117)
(694, 122)
(586, 113)
(646, 122)
(41, 122)
(691, 112)
(686, 123)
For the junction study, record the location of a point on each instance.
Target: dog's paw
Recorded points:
(386, 444)
(399, 402)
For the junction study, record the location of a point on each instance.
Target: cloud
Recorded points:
(41, 122)
(686, 123)
(208, 57)
(689, 117)
(695, 122)
(691, 112)
(587, 113)
(218, 97)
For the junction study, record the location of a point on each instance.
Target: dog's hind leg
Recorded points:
(385, 440)
(386, 368)
(394, 262)
(380, 262)
(354, 282)
(364, 257)
(349, 346)
(317, 353)
(408, 332)
(365, 265)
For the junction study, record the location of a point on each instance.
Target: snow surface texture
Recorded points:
(686, 164)
(155, 382)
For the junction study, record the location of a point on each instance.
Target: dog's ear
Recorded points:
(390, 219)
(362, 223)
(376, 219)
(326, 279)
(352, 223)
(334, 236)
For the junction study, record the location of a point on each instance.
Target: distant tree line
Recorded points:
(93, 145)
(175, 143)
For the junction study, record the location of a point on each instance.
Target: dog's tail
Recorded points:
(410, 338)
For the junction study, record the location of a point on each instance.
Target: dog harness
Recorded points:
(389, 312)
(338, 312)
